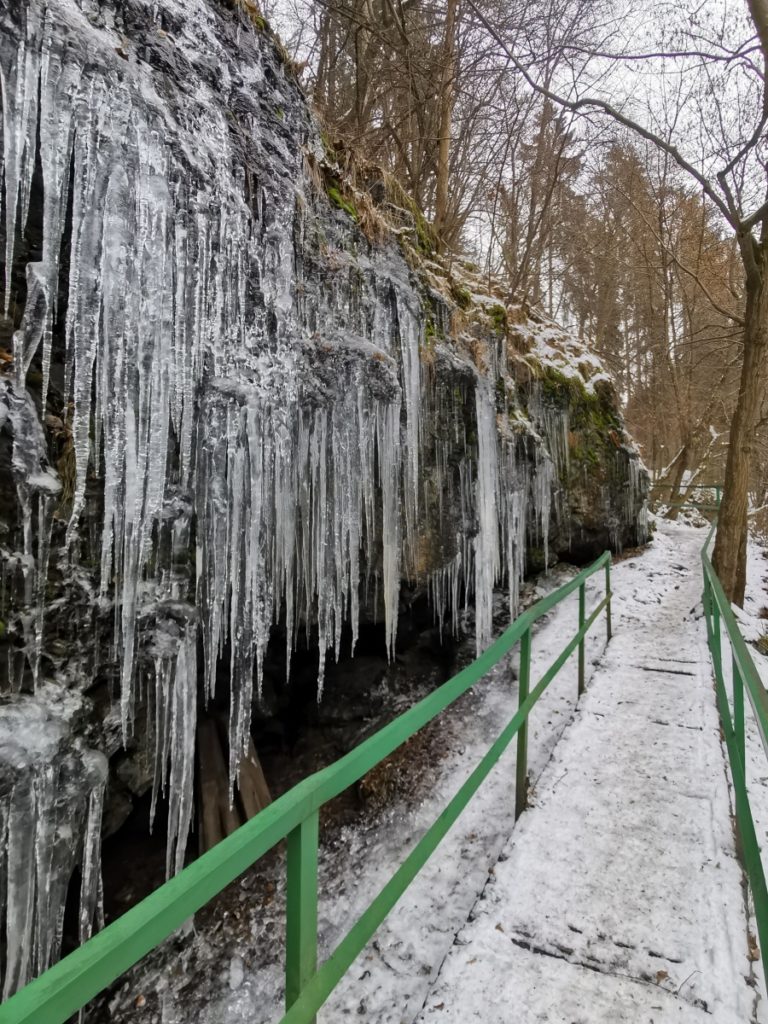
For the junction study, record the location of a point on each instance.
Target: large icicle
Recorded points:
(487, 563)
(50, 819)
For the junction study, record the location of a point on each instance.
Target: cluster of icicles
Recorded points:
(194, 387)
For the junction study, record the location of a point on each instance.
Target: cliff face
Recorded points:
(227, 410)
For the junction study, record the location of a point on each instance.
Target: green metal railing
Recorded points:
(744, 676)
(705, 506)
(74, 981)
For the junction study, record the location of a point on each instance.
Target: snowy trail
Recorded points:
(621, 878)
(618, 896)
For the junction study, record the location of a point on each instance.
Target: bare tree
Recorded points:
(730, 170)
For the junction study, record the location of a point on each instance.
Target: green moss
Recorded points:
(330, 152)
(431, 333)
(461, 296)
(427, 240)
(252, 12)
(2, 629)
(595, 430)
(280, 114)
(586, 409)
(584, 455)
(334, 194)
(501, 394)
(498, 315)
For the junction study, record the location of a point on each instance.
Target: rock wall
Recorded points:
(235, 396)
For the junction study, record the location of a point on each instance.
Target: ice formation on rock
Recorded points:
(51, 793)
(231, 412)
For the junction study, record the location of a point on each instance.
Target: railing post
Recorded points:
(716, 639)
(521, 771)
(608, 625)
(582, 607)
(301, 921)
(738, 713)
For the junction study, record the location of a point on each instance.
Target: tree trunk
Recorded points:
(446, 116)
(674, 494)
(730, 555)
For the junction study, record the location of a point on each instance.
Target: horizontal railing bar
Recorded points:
(693, 504)
(684, 487)
(750, 846)
(322, 984)
(72, 982)
(758, 697)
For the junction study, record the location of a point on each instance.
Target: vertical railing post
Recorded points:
(738, 713)
(608, 624)
(301, 922)
(716, 639)
(582, 616)
(521, 770)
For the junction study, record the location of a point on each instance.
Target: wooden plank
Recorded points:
(253, 788)
(210, 831)
(218, 818)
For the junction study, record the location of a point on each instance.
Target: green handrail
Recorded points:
(719, 614)
(688, 502)
(74, 981)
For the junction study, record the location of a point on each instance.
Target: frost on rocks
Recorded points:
(256, 419)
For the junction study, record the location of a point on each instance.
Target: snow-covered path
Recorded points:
(618, 896)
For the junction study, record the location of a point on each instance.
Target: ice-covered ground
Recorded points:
(618, 897)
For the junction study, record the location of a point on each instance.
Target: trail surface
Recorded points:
(618, 896)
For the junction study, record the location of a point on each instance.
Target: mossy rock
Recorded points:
(338, 200)
(498, 317)
(252, 13)
(461, 296)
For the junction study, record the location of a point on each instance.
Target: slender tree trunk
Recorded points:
(730, 555)
(675, 479)
(446, 116)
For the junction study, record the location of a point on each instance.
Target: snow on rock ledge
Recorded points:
(224, 408)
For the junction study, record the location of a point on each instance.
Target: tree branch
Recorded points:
(729, 213)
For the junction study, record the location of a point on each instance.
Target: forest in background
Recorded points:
(573, 212)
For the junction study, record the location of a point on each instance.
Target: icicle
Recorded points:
(53, 798)
(181, 751)
(19, 81)
(487, 539)
(91, 895)
(388, 446)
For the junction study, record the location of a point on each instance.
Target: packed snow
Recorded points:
(619, 896)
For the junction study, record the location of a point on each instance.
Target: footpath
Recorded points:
(619, 895)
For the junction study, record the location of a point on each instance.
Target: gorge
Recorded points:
(243, 405)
